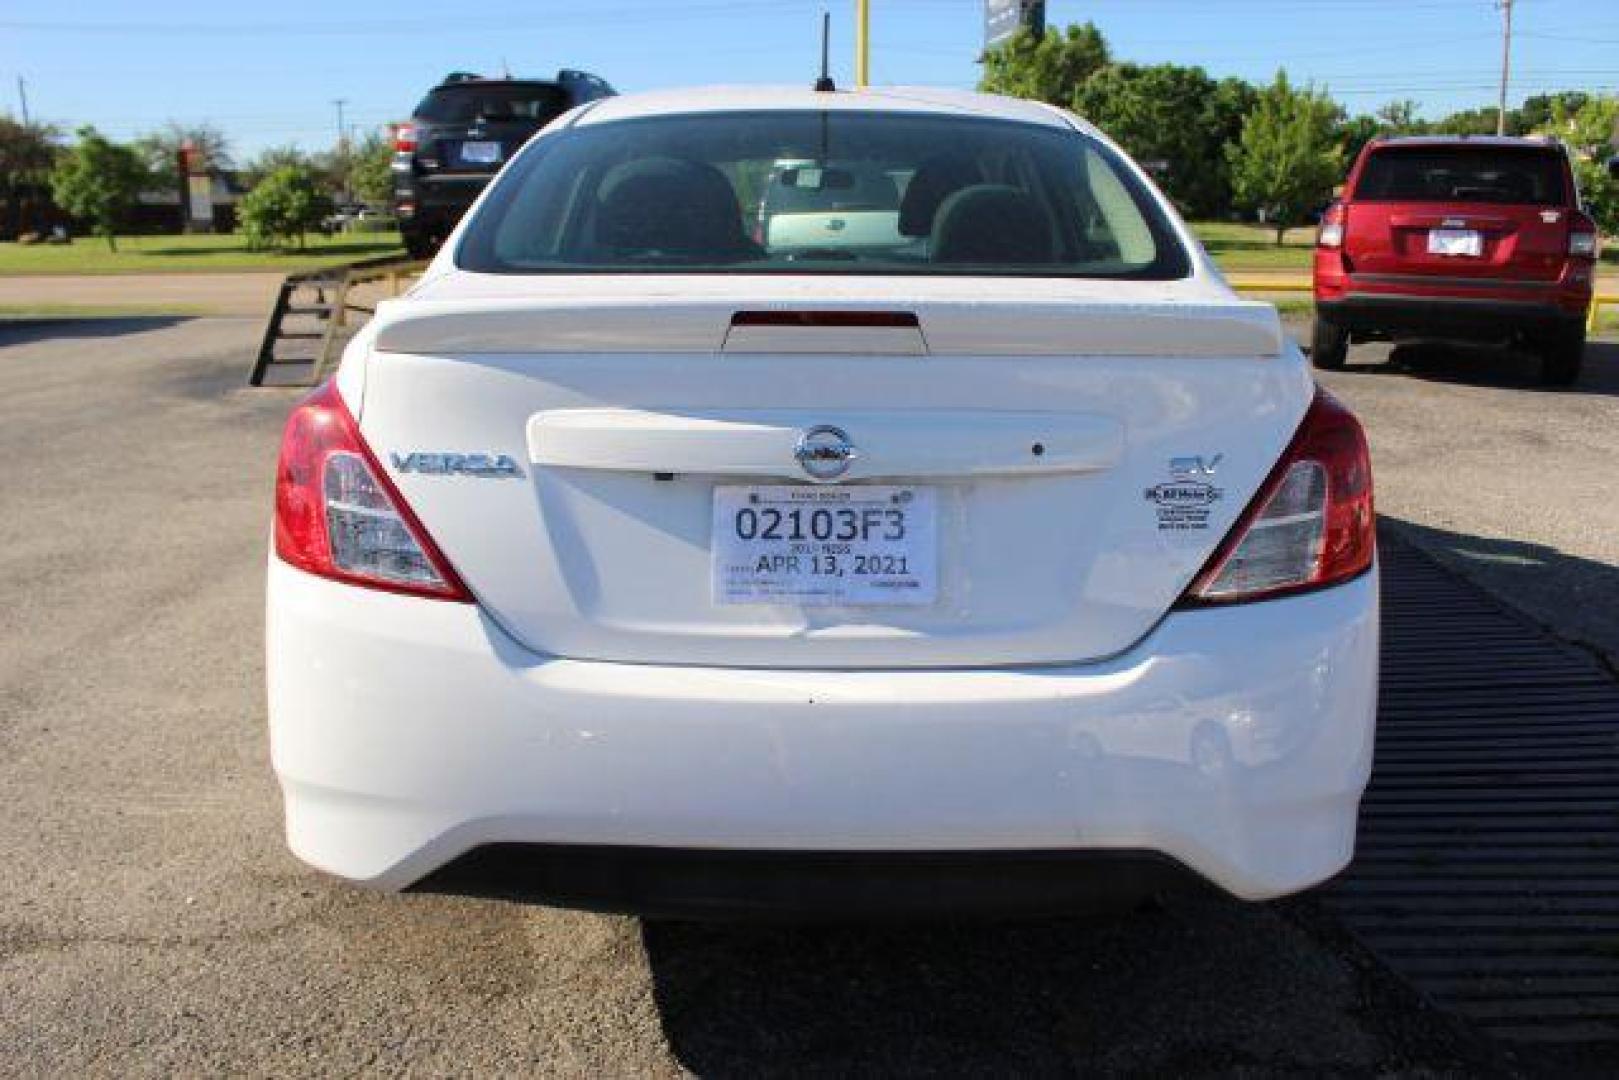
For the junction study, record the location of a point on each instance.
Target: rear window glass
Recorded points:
(823, 193)
(1462, 174)
(464, 104)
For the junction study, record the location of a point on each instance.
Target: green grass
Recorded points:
(1239, 246)
(167, 254)
(1253, 247)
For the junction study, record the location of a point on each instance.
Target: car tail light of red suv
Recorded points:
(1330, 235)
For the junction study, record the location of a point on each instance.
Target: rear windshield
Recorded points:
(812, 192)
(1480, 174)
(464, 104)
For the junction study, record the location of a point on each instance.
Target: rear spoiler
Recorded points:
(1169, 328)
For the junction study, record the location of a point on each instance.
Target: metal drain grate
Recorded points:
(1488, 866)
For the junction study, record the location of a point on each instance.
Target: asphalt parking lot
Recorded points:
(1504, 481)
(151, 921)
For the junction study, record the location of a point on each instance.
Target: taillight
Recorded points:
(405, 138)
(1331, 232)
(1311, 525)
(337, 514)
(1582, 237)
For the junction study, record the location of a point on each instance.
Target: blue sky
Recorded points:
(267, 73)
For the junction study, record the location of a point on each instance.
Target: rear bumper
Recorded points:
(1461, 317)
(810, 885)
(1234, 742)
(435, 201)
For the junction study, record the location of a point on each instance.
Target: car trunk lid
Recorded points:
(1076, 460)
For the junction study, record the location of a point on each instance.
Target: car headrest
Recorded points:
(992, 223)
(670, 206)
(934, 180)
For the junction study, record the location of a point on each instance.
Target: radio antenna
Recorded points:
(825, 84)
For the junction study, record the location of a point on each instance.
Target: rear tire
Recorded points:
(1562, 354)
(1329, 345)
(418, 245)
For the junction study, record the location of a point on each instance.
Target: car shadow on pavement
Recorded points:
(1495, 367)
(1196, 984)
(1571, 596)
(25, 330)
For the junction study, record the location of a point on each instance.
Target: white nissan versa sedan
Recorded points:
(1013, 563)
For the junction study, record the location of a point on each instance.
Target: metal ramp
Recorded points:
(1487, 872)
(314, 306)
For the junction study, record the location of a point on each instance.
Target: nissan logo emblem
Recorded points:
(824, 452)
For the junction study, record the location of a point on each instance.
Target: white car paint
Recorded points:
(1051, 698)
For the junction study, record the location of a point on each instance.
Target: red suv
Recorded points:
(1457, 239)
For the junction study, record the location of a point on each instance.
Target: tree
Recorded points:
(160, 150)
(1536, 113)
(274, 158)
(27, 152)
(99, 181)
(1173, 115)
(1048, 68)
(370, 168)
(1477, 122)
(1399, 117)
(1356, 132)
(1288, 158)
(1588, 126)
(284, 206)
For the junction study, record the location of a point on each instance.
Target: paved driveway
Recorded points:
(151, 921)
(243, 294)
(1516, 486)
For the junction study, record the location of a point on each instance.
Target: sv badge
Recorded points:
(1197, 465)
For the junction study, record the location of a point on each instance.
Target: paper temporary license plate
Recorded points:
(480, 153)
(820, 546)
(1455, 242)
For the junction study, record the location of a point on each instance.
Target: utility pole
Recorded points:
(22, 96)
(342, 154)
(1506, 64)
(862, 42)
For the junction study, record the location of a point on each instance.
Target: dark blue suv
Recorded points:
(460, 135)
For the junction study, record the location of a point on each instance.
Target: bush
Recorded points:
(284, 206)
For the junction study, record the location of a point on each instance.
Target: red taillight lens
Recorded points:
(337, 514)
(1311, 525)
(405, 138)
(1331, 232)
(1582, 236)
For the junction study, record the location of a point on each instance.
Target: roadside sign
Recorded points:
(1002, 18)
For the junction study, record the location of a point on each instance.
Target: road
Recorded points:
(151, 921)
(247, 294)
(1511, 484)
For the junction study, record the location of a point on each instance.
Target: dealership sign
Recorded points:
(1003, 17)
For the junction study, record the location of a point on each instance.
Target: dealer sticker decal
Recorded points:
(1184, 505)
